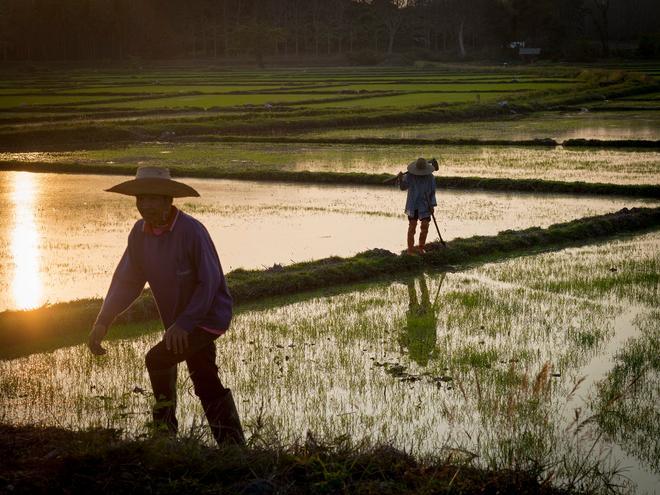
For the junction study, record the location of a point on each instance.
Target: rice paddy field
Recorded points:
(298, 223)
(559, 126)
(600, 165)
(492, 361)
(543, 361)
(230, 89)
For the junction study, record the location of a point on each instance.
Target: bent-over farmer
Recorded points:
(420, 202)
(175, 254)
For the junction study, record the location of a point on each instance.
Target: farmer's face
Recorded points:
(154, 208)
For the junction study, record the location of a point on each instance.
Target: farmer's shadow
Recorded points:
(419, 337)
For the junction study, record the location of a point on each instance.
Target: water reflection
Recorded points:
(628, 402)
(27, 286)
(558, 126)
(82, 229)
(421, 321)
(515, 339)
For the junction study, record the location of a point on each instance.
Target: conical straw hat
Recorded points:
(154, 180)
(420, 167)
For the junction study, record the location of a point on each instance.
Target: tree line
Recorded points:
(161, 29)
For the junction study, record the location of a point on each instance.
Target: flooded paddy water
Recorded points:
(506, 363)
(554, 125)
(62, 235)
(589, 165)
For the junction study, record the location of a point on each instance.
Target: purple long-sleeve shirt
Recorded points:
(183, 271)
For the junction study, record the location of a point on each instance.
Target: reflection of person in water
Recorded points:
(421, 321)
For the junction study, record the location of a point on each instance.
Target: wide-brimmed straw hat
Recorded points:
(420, 167)
(154, 180)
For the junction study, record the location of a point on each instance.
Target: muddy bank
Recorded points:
(26, 332)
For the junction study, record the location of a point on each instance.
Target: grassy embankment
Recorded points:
(619, 143)
(49, 460)
(545, 142)
(354, 178)
(25, 332)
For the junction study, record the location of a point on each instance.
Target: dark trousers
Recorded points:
(162, 367)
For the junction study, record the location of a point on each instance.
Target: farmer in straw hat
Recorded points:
(175, 254)
(420, 184)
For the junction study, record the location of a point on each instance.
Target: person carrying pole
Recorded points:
(420, 202)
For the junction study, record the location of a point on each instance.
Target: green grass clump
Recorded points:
(473, 357)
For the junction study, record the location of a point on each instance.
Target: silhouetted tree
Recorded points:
(391, 14)
(258, 38)
(119, 29)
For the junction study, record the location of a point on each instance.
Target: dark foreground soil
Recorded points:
(54, 460)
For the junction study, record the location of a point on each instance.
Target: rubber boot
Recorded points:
(163, 383)
(224, 421)
(423, 232)
(412, 226)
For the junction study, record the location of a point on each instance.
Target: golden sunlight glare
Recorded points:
(25, 243)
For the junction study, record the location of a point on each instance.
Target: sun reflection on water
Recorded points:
(27, 286)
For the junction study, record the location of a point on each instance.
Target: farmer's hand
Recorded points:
(176, 339)
(95, 338)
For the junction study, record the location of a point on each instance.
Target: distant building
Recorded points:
(524, 53)
(529, 54)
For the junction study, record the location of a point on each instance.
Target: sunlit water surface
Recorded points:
(590, 165)
(62, 235)
(491, 368)
(554, 125)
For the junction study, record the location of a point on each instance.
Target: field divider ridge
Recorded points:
(352, 178)
(26, 332)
